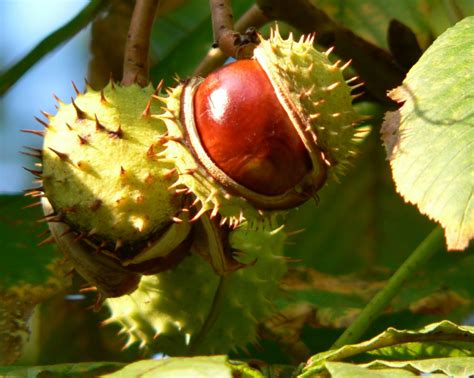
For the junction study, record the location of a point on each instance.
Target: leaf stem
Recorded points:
(213, 315)
(433, 243)
(9, 77)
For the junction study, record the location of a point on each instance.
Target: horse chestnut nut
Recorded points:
(246, 132)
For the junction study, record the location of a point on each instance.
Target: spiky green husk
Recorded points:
(168, 311)
(319, 97)
(101, 170)
(193, 178)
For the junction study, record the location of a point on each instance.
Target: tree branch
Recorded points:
(136, 65)
(107, 44)
(253, 18)
(232, 43)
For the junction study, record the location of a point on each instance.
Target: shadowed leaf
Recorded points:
(28, 274)
(371, 18)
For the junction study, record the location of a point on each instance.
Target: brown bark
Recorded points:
(136, 60)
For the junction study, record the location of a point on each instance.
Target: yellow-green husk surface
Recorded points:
(315, 94)
(101, 170)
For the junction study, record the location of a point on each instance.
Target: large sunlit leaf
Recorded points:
(443, 339)
(430, 139)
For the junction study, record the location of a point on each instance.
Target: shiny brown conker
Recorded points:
(246, 132)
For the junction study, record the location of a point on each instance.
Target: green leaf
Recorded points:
(192, 367)
(370, 18)
(28, 274)
(22, 259)
(429, 140)
(79, 370)
(436, 367)
(439, 339)
(451, 366)
(187, 28)
(335, 299)
(189, 367)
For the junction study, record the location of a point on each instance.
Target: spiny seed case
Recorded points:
(316, 96)
(172, 318)
(103, 177)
